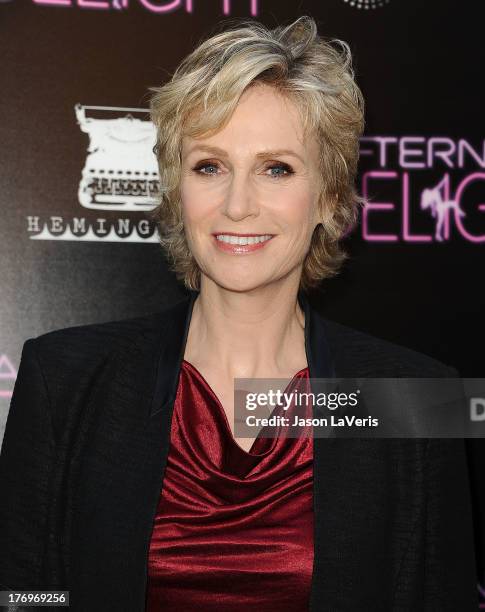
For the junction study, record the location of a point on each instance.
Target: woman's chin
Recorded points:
(241, 284)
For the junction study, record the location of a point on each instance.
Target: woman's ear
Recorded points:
(317, 211)
(322, 211)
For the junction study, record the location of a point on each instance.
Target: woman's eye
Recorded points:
(283, 170)
(201, 167)
(210, 169)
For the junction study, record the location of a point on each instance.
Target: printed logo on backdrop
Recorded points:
(120, 172)
(120, 175)
(367, 4)
(427, 189)
(8, 374)
(162, 7)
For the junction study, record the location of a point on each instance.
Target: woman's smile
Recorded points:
(241, 244)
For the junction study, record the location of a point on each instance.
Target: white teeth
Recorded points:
(243, 239)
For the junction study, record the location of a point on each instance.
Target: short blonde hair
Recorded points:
(316, 74)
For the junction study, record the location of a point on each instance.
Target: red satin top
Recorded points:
(233, 529)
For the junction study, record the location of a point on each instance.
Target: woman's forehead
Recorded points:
(262, 121)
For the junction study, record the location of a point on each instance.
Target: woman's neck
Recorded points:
(247, 334)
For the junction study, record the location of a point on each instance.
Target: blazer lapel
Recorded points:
(172, 349)
(320, 363)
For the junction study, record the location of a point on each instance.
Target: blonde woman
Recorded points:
(122, 480)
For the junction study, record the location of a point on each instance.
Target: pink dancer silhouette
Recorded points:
(432, 199)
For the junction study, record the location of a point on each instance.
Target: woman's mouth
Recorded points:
(241, 243)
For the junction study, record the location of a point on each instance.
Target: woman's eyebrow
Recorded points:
(277, 152)
(265, 153)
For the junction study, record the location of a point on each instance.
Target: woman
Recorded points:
(121, 477)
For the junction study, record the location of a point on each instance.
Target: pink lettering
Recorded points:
(373, 206)
(161, 8)
(226, 7)
(445, 155)
(101, 4)
(463, 147)
(459, 194)
(382, 142)
(408, 237)
(152, 5)
(58, 2)
(406, 151)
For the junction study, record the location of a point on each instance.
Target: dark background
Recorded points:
(420, 67)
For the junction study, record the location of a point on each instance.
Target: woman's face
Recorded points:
(256, 176)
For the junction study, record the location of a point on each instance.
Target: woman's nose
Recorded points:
(240, 200)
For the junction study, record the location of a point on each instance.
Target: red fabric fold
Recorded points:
(233, 529)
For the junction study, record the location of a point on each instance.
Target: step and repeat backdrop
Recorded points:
(78, 174)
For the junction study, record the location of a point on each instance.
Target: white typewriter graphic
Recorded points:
(7, 373)
(120, 172)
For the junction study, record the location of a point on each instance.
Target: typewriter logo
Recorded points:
(367, 4)
(7, 373)
(120, 172)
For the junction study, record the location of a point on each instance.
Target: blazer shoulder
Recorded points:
(71, 361)
(84, 343)
(98, 339)
(356, 350)
(72, 357)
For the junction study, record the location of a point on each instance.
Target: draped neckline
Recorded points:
(259, 441)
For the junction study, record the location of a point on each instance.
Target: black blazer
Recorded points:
(86, 444)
